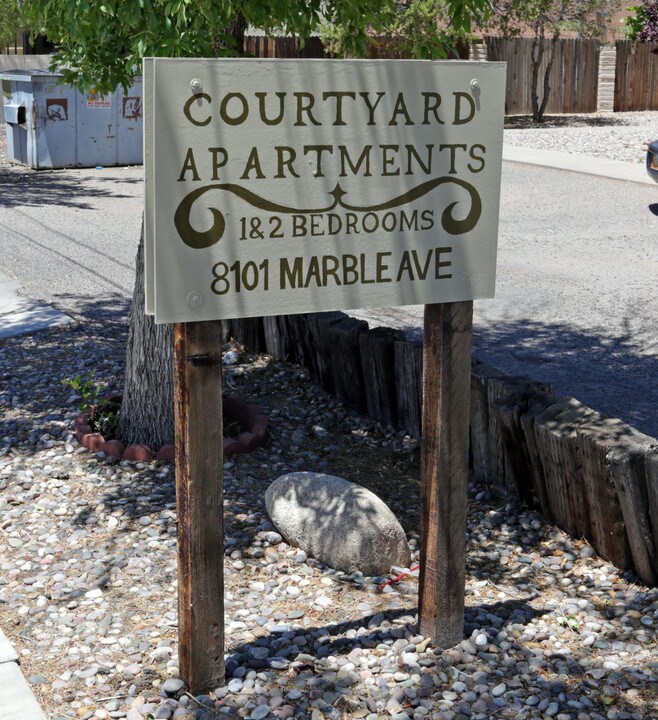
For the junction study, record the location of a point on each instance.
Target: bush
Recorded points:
(643, 26)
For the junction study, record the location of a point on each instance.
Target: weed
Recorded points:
(569, 621)
(88, 391)
(103, 412)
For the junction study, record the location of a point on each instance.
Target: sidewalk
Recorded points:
(18, 702)
(19, 315)
(615, 169)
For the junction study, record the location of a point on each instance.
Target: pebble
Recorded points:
(173, 686)
(260, 712)
(624, 140)
(88, 570)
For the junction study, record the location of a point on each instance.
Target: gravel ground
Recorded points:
(88, 570)
(614, 136)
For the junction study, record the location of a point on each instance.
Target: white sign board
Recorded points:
(287, 186)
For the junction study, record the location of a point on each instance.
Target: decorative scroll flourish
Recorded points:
(198, 240)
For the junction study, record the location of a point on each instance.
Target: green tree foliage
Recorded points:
(547, 19)
(424, 29)
(12, 22)
(642, 24)
(102, 42)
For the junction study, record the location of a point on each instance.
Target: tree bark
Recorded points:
(147, 408)
(538, 50)
(547, 77)
(232, 40)
(537, 55)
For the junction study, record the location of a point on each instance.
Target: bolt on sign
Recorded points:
(282, 186)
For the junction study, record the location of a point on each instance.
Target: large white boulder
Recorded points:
(337, 522)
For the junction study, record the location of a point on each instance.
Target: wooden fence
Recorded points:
(636, 76)
(283, 47)
(573, 78)
(596, 478)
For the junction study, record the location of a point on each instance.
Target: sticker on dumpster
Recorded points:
(132, 108)
(96, 100)
(57, 109)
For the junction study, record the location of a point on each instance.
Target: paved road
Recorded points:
(577, 291)
(70, 236)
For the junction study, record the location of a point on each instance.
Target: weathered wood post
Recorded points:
(444, 470)
(199, 503)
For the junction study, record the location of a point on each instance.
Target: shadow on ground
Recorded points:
(22, 187)
(559, 121)
(295, 653)
(616, 375)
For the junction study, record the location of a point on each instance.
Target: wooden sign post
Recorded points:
(284, 186)
(199, 502)
(444, 470)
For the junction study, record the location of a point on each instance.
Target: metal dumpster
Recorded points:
(50, 125)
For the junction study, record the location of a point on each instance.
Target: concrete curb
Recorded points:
(18, 700)
(614, 169)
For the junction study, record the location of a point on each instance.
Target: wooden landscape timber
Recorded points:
(627, 464)
(595, 477)
(408, 366)
(378, 362)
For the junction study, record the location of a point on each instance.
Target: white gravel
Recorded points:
(614, 136)
(88, 576)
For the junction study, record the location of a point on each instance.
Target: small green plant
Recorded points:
(569, 621)
(106, 421)
(88, 391)
(103, 412)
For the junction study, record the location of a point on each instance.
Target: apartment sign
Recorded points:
(287, 186)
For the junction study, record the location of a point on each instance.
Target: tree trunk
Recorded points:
(232, 40)
(547, 77)
(147, 409)
(538, 109)
(537, 55)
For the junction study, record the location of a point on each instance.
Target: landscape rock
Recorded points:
(338, 522)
